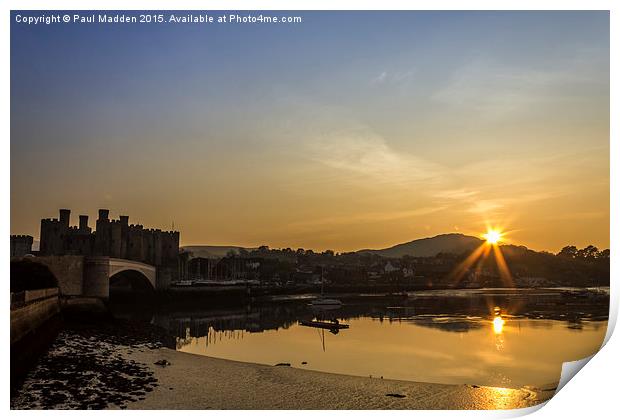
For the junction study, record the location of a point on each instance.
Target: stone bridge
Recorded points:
(94, 276)
(119, 266)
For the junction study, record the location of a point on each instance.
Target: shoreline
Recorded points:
(89, 368)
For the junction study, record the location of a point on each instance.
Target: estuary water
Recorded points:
(496, 337)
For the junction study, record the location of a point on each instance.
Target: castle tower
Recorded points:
(102, 236)
(115, 239)
(84, 223)
(65, 215)
(21, 245)
(53, 234)
(103, 214)
(124, 235)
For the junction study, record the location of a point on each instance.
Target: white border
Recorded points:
(593, 394)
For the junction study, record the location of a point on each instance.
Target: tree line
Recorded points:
(588, 253)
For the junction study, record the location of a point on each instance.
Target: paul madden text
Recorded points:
(154, 18)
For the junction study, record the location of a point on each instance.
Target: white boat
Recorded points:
(323, 302)
(183, 283)
(326, 302)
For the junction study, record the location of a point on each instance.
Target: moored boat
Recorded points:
(328, 325)
(323, 302)
(326, 302)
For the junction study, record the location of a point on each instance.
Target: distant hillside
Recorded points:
(212, 251)
(455, 243)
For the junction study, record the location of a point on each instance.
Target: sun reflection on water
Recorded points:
(498, 328)
(501, 398)
(498, 324)
(498, 321)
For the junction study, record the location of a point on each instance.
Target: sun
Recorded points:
(492, 236)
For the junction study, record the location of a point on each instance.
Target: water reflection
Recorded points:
(498, 321)
(444, 338)
(498, 328)
(498, 324)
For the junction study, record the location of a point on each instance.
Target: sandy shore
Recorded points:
(199, 382)
(113, 366)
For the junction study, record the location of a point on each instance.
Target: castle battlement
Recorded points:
(21, 237)
(167, 232)
(50, 220)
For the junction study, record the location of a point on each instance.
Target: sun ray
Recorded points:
(478, 257)
(482, 260)
(457, 274)
(504, 272)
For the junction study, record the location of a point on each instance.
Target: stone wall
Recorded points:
(31, 316)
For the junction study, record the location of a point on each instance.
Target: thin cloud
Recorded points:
(398, 77)
(360, 151)
(457, 194)
(493, 89)
(369, 217)
(380, 78)
(485, 206)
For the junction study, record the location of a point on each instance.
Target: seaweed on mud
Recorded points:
(85, 368)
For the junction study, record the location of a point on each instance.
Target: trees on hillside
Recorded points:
(588, 253)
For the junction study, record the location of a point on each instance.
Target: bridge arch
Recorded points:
(128, 269)
(129, 282)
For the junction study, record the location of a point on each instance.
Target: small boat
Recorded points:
(577, 293)
(326, 302)
(403, 295)
(328, 325)
(183, 283)
(323, 302)
(333, 327)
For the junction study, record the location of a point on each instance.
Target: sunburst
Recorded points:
(493, 237)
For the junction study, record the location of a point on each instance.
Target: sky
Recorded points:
(349, 130)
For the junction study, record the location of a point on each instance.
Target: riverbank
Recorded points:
(115, 366)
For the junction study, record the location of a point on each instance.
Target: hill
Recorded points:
(212, 251)
(454, 243)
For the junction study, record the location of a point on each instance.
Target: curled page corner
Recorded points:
(614, 302)
(570, 369)
(520, 412)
